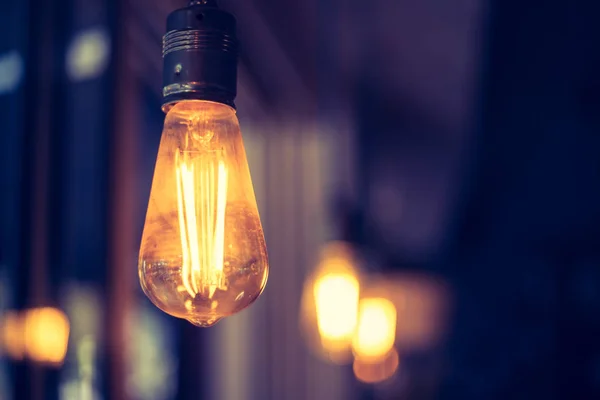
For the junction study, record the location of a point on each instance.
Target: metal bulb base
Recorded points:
(200, 53)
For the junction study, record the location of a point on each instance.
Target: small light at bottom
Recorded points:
(379, 371)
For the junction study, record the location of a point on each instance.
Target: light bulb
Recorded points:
(203, 255)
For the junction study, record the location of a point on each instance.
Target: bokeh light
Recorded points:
(379, 371)
(376, 330)
(46, 335)
(330, 303)
(12, 69)
(422, 302)
(13, 335)
(88, 54)
(336, 296)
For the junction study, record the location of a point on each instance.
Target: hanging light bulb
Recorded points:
(203, 255)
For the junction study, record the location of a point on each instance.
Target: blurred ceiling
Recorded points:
(300, 55)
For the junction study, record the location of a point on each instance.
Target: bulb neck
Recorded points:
(200, 53)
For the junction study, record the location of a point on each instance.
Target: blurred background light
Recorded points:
(5, 295)
(81, 372)
(11, 71)
(330, 302)
(376, 371)
(83, 306)
(13, 335)
(336, 295)
(376, 330)
(88, 54)
(152, 366)
(46, 332)
(422, 301)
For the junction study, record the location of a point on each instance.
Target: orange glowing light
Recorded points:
(330, 303)
(336, 299)
(422, 301)
(376, 330)
(46, 335)
(375, 372)
(13, 340)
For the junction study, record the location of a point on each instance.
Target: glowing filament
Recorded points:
(201, 222)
